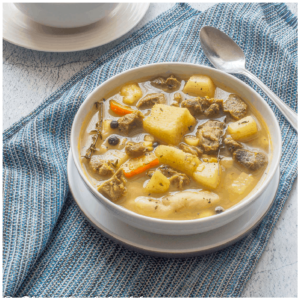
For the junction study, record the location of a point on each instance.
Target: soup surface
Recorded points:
(174, 147)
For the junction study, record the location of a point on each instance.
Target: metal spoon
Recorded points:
(227, 56)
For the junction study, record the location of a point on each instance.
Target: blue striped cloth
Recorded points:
(50, 250)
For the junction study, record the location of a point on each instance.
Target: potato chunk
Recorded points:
(158, 183)
(131, 93)
(148, 145)
(208, 200)
(185, 201)
(200, 85)
(191, 140)
(152, 207)
(208, 174)
(263, 142)
(177, 159)
(149, 138)
(208, 158)
(117, 157)
(243, 128)
(168, 123)
(242, 183)
(227, 162)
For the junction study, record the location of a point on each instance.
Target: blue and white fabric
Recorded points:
(50, 249)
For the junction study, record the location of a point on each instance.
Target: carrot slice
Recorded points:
(120, 109)
(138, 165)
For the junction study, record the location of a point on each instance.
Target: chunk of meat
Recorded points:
(232, 144)
(212, 110)
(177, 97)
(100, 166)
(209, 135)
(115, 187)
(130, 121)
(151, 99)
(235, 106)
(252, 160)
(180, 180)
(135, 149)
(165, 169)
(196, 105)
(170, 84)
(190, 149)
(159, 82)
(176, 178)
(177, 100)
(217, 101)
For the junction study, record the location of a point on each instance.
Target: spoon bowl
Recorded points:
(227, 56)
(221, 50)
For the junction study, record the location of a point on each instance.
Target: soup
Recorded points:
(175, 148)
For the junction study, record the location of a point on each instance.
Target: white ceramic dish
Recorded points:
(162, 245)
(66, 15)
(171, 227)
(20, 30)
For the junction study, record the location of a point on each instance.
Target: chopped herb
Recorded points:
(92, 147)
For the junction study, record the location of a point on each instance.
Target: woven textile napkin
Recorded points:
(50, 250)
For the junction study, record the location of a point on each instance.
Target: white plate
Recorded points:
(20, 30)
(163, 245)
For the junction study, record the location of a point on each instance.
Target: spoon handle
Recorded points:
(290, 115)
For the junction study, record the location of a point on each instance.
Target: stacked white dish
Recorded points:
(169, 237)
(76, 27)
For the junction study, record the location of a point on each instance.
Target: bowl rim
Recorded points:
(120, 209)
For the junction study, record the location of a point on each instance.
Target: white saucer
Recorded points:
(162, 245)
(20, 30)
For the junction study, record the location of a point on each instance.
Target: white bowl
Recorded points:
(66, 15)
(174, 227)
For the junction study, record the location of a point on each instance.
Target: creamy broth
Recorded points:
(229, 169)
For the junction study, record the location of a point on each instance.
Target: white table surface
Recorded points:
(31, 76)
